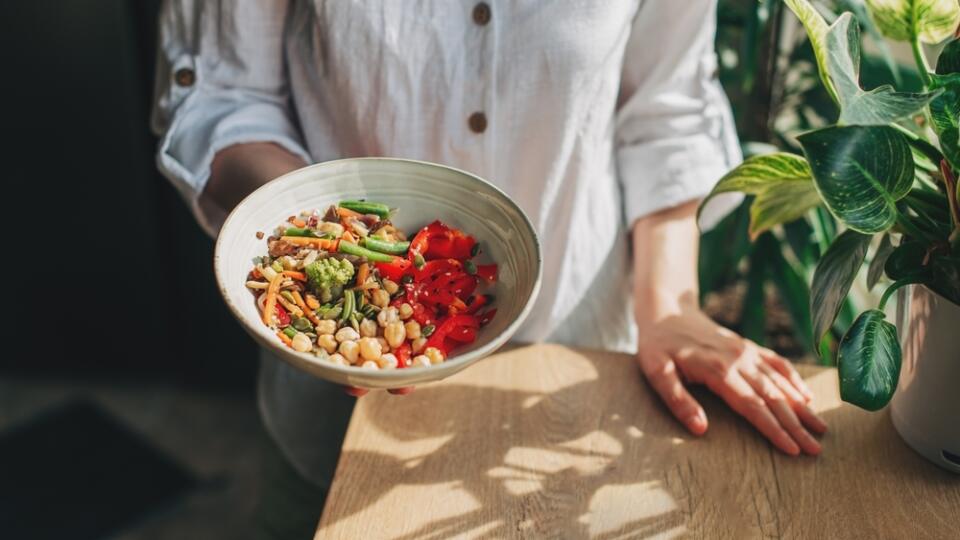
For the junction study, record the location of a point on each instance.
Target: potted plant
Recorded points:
(887, 170)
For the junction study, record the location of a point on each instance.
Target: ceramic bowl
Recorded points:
(422, 192)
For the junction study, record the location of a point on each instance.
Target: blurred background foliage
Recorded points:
(768, 69)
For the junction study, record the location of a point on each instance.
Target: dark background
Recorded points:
(115, 276)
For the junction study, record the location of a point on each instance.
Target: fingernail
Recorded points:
(697, 424)
(789, 446)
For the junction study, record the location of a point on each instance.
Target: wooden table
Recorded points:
(545, 441)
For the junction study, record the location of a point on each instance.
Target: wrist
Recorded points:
(653, 304)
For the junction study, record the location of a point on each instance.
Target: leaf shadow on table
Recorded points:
(595, 456)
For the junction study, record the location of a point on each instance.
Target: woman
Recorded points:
(603, 120)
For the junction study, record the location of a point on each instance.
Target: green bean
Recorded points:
(353, 249)
(348, 301)
(393, 248)
(365, 207)
(298, 231)
(290, 331)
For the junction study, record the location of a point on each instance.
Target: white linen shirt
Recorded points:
(597, 113)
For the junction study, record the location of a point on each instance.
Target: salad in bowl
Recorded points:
(379, 272)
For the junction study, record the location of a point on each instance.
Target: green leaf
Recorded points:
(945, 109)
(869, 361)
(875, 270)
(781, 183)
(816, 28)
(879, 106)
(832, 279)
(861, 172)
(907, 260)
(902, 20)
(859, 9)
(945, 277)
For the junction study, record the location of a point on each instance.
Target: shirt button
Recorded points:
(481, 13)
(477, 122)
(184, 77)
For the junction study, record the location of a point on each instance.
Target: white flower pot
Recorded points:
(926, 408)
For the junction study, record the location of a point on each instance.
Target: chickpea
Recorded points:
(380, 298)
(347, 334)
(326, 327)
(405, 311)
(368, 328)
(327, 342)
(338, 359)
(413, 329)
(370, 364)
(421, 361)
(387, 315)
(391, 287)
(418, 344)
(388, 361)
(370, 348)
(350, 350)
(434, 354)
(301, 343)
(384, 346)
(395, 334)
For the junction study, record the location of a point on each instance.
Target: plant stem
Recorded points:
(893, 288)
(922, 66)
(951, 182)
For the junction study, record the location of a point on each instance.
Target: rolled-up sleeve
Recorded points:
(675, 135)
(221, 81)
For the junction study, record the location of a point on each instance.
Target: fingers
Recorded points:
(744, 400)
(785, 368)
(799, 403)
(781, 407)
(354, 391)
(663, 376)
(402, 391)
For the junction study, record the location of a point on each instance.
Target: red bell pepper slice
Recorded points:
(451, 324)
(487, 272)
(394, 271)
(438, 241)
(283, 318)
(403, 354)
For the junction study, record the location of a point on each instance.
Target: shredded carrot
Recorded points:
(286, 339)
(348, 237)
(299, 300)
(362, 274)
(319, 243)
(299, 222)
(306, 311)
(299, 276)
(312, 301)
(346, 212)
(270, 305)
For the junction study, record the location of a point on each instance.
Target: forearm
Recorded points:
(665, 250)
(238, 170)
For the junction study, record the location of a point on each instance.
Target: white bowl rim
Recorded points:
(460, 360)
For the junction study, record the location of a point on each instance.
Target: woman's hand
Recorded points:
(678, 342)
(756, 382)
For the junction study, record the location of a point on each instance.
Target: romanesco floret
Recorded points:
(328, 275)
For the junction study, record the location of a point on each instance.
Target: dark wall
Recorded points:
(117, 278)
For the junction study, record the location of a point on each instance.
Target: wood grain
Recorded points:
(549, 442)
